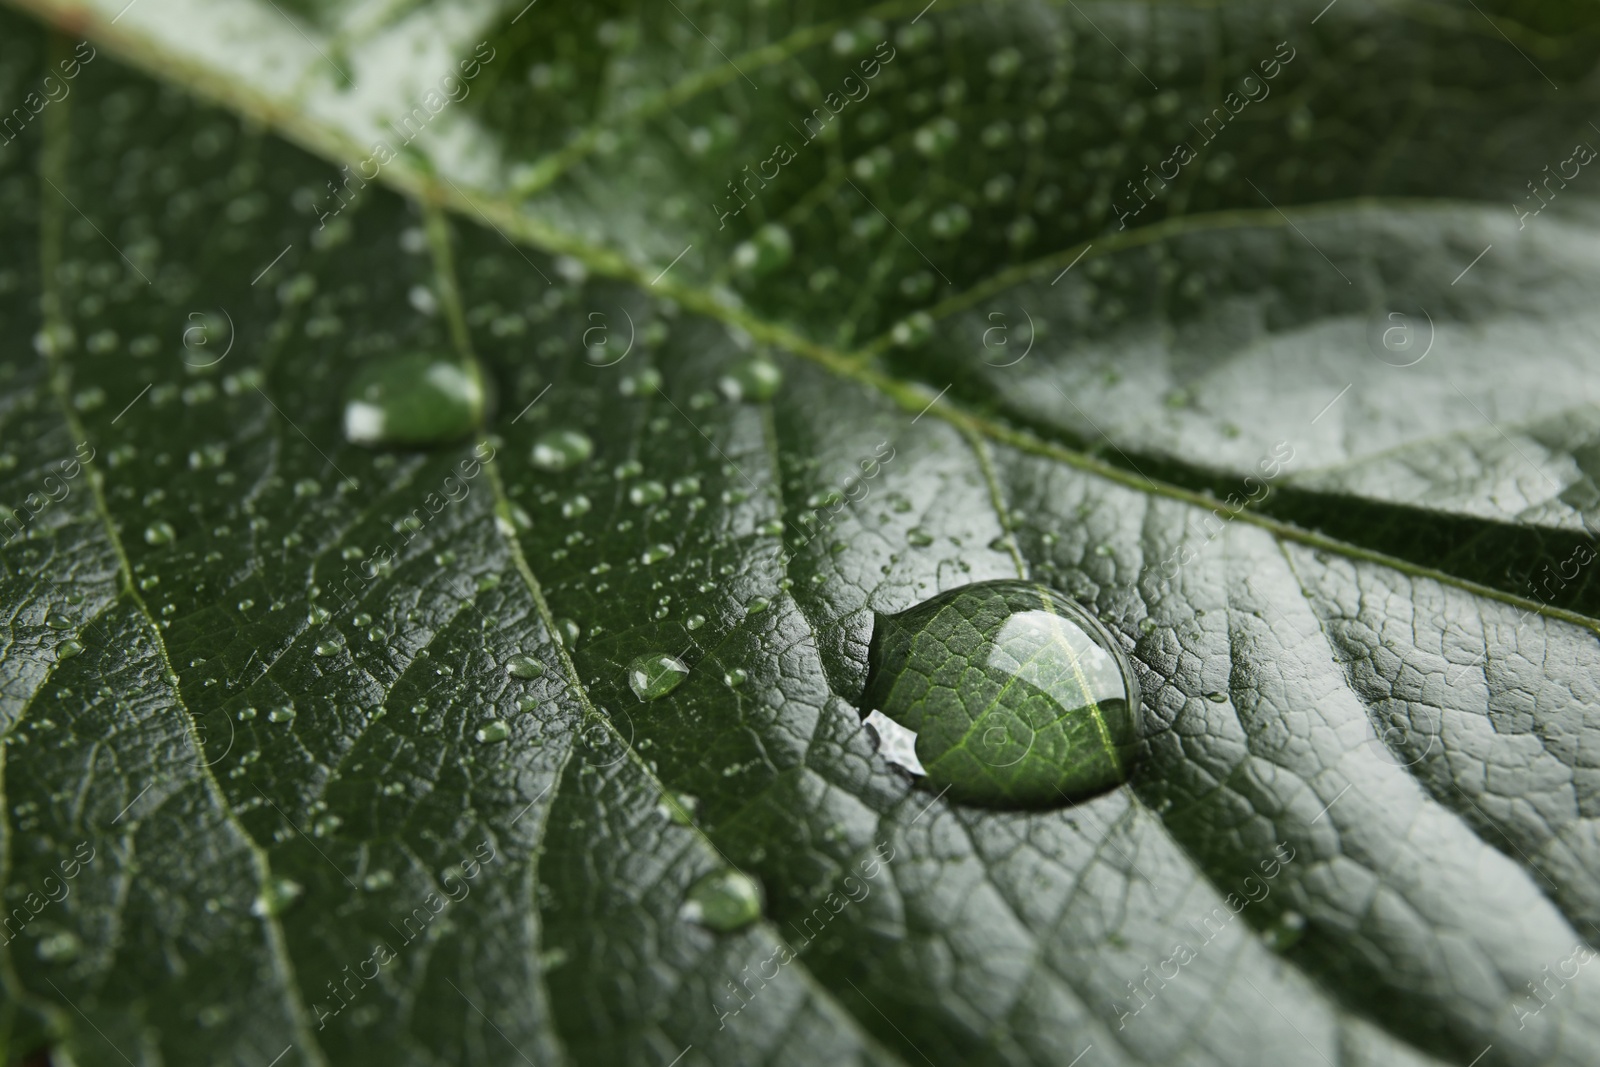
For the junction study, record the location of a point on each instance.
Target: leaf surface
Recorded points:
(1364, 806)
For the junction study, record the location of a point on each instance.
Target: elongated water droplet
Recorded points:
(414, 399)
(159, 533)
(654, 676)
(69, 648)
(1017, 696)
(724, 900)
(493, 731)
(644, 493)
(524, 666)
(560, 450)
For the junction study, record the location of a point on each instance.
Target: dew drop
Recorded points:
(69, 648)
(735, 678)
(524, 666)
(724, 900)
(680, 808)
(575, 506)
(57, 621)
(757, 605)
(59, 947)
(159, 533)
(276, 897)
(646, 493)
(559, 450)
(328, 648)
(655, 675)
(382, 878)
(568, 632)
(694, 622)
(754, 380)
(1286, 931)
(283, 714)
(769, 249)
(493, 732)
(1017, 697)
(414, 399)
(657, 553)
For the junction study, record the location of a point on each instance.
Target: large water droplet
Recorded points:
(559, 450)
(414, 399)
(724, 900)
(524, 666)
(654, 676)
(1017, 696)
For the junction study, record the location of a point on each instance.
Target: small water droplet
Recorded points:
(770, 248)
(575, 506)
(526, 704)
(493, 731)
(1217, 697)
(655, 675)
(1017, 696)
(382, 878)
(724, 900)
(69, 648)
(657, 553)
(524, 666)
(414, 399)
(283, 714)
(1286, 931)
(757, 605)
(277, 896)
(246, 714)
(560, 450)
(59, 947)
(918, 537)
(680, 808)
(645, 493)
(57, 621)
(694, 622)
(735, 678)
(328, 647)
(159, 533)
(755, 380)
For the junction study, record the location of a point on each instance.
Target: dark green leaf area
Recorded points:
(1018, 697)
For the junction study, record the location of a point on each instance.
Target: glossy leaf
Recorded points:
(317, 753)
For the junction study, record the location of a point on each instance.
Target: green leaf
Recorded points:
(318, 753)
